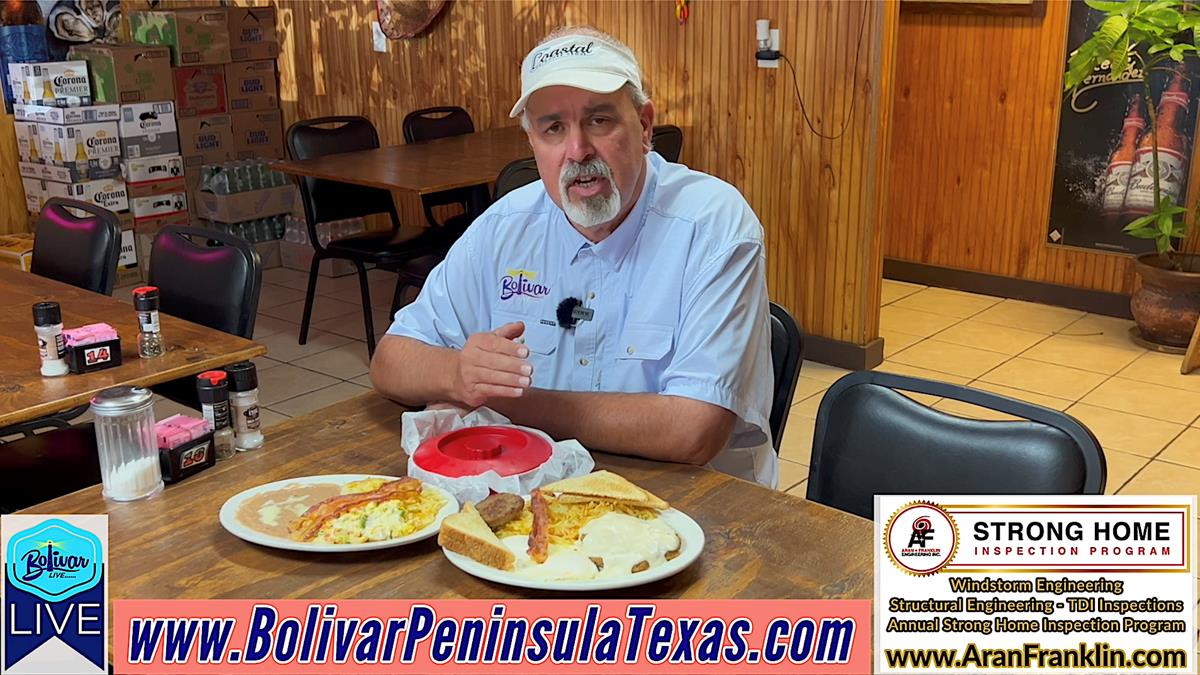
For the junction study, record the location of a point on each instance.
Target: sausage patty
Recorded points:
(500, 508)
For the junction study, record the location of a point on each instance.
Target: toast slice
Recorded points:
(467, 534)
(603, 485)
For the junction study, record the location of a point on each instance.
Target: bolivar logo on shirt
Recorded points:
(521, 282)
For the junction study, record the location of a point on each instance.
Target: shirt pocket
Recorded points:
(539, 337)
(645, 341)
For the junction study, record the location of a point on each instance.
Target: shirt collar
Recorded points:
(614, 247)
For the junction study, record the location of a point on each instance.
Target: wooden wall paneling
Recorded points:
(13, 216)
(971, 158)
(815, 198)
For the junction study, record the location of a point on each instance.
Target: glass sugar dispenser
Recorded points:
(128, 447)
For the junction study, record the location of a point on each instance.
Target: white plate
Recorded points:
(230, 522)
(689, 531)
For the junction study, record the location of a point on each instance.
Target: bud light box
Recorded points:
(89, 151)
(252, 33)
(205, 140)
(109, 194)
(148, 129)
(56, 83)
(258, 134)
(251, 85)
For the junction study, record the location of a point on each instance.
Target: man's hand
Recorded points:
(492, 365)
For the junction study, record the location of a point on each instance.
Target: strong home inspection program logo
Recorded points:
(920, 538)
(55, 594)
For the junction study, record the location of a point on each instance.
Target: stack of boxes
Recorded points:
(226, 95)
(135, 80)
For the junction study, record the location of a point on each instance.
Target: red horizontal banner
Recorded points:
(492, 636)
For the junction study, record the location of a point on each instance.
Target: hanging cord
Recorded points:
(854, 90)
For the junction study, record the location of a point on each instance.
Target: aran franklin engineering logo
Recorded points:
(522, 282)
(55, 594)
(920, 538)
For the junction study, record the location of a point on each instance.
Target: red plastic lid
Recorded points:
(474, 450)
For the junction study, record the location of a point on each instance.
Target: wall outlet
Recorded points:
(378, 40)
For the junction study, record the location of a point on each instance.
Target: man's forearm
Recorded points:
(654, 426)
(412, 372)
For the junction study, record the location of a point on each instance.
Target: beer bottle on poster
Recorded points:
(1120, 163)
(1173, 144)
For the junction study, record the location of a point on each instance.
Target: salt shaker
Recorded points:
(243, 399)
(212, 387)
(126, 441)
(47, 323)
(145, 301)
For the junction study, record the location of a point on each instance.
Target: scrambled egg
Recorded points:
(380, 521)
(566, 520)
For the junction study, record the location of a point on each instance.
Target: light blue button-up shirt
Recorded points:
(678, 294)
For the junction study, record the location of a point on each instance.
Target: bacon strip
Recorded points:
(309, 524)
(539, 534)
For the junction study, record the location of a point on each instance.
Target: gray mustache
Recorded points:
(592, 167)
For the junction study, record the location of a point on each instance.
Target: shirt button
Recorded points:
(583, 362)
(629, 350)
(591, 295)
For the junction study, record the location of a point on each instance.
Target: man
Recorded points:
(620, 301)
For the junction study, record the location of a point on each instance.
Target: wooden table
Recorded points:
(422, 168)
(26, 395)
(760, 543)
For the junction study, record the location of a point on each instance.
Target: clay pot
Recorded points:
(1167, 305)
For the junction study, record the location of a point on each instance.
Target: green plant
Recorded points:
(1151, 34)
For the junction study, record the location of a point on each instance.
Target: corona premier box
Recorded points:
(90, 151)
(57, 83)
(28, 148)
(148, 129)
(86, 114)
(109, 194)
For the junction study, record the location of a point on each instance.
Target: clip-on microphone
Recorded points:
(572, 311)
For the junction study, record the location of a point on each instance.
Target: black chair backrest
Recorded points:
(516, 174)
(214, 286)
(326, 200)
(871, 439)
(668, 141)
(787, 354)
(81, 251)
(427, 124)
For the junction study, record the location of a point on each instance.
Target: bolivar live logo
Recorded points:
(55, 594)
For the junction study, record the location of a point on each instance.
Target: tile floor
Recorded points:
(1135, 401)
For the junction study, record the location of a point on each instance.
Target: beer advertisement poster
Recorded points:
(1103, 168)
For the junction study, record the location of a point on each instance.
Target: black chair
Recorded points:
(870, 439)
(327, 200)
(207, 277)
(429, 124)
(787, 354)
(668, 141)
(516, 174)
(77, 250)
